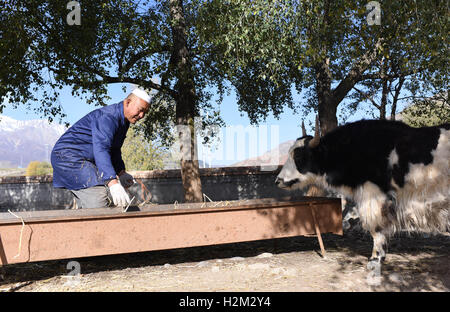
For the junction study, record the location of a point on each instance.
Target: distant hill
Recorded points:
(25, 141)
(276, 156)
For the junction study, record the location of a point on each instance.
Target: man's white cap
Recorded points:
(141, 94)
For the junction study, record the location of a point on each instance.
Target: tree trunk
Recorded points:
(396, 95)
(384, 99)
(385, 90)
(327, 107)
(327, 117)
(186, 108)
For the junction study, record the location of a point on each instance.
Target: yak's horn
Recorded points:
(303, 129)
(315, 141)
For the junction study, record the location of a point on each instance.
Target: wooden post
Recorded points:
(316, 225)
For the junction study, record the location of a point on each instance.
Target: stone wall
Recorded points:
(157, 186)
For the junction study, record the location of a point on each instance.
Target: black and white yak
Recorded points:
(398, 176)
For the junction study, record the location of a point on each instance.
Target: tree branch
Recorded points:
(368, 97)
(108, 79)
(136, 57)
(397, 88)
(355, 73)
(391, 76)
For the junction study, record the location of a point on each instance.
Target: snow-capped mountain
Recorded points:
(25, 141)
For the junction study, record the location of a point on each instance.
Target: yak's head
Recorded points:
(300, 169)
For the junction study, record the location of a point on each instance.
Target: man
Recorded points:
(87, 159)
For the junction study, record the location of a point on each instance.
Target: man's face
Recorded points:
(135, 109)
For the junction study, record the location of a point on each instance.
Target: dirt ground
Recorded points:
(414, 263)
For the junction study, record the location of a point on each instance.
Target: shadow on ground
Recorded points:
(414, 262)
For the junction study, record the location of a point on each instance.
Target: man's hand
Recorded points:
(119, 195)
(126, 179)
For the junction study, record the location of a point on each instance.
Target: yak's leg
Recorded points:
(379, 236)
(378, 251)
(374, 210)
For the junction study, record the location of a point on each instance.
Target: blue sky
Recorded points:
(75, 108)
(270, 133)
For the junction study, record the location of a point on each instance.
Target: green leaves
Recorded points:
(38, 168)
(264, 49)
(428, 112)
(141, 154)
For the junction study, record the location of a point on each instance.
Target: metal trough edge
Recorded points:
(64, 234)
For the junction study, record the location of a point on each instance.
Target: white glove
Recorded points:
(126, 180)
(119, 195)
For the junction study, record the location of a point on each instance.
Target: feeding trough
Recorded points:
(64, 234)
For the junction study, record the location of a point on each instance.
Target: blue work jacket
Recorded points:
(88, 153)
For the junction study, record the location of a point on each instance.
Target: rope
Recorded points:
(204, 195)
(125, 210)
(204, 201)
(21, 232)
